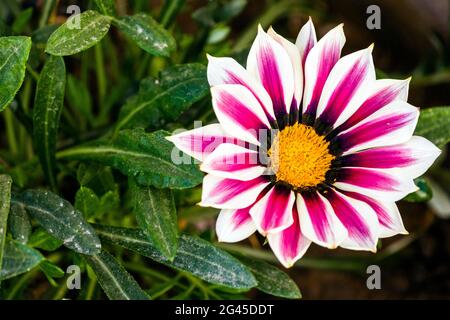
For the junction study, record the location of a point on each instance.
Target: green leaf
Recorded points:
(46, 114)
(22, 20)
(147, 157)
(156, 215)
(79, 97)
(19, 223)
(18, 258)
(69, 38)
(87, 202)
(272, 280)
(434, 124)
(117, 283)
(14, 53)
(177, 88)
(194, 255)
(51, 271)
(5, 201)
(60, 219)
(43, 240)
(106, 7)
(148, 34)
(424, 193)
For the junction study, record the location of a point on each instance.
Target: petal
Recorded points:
(379, 94)
(273, 212)
(346, 87)
(230, 194)
(289, 244)
(318, 221)
(358, 218)
(415, 156)
(321, 59)
(392, 124)
(228, 71)
(294, 56)
(200, 142)
(234, 225)
(239, 112)
(233, 162)
(269, 62)
(306, 40)
(387, 212)
(381, 184)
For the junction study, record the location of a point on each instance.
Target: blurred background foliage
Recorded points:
(413, 41)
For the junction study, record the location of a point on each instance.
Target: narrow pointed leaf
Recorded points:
(14, 53)
(18, 258)
(106, 7)
(71, 38)
(155, 213)
(5, 201)
(58, 217)
(19, 223)
(272, 280)
(147, 34)
(434, 124)
(166, 98)
(117, 283)
(147, 157)
(46, 114)
(194, 255)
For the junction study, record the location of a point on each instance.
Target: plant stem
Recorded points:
(100, 70)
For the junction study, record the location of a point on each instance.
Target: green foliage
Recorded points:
(114, 279)
(19, 223)
(144, 156)
(13, 57)
(46, 113)
(17, 259)
(58, 217)
(156, 215)
(434, 124)
(194, 255)
(71, 38)
(5, 197)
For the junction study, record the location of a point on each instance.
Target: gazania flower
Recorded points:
(343, 151)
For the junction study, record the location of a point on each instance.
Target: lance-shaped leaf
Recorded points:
(117, 283)
(58, 217)
(194, 255)
(434, 124)
(155, 213)
(177, 88)
(147, 157)
(14, 53)
(5, 200)
(78, 33)
(106, 7)
(147, 34)
(272, 280)
(19, 223)
(47, 112)
(18, 258)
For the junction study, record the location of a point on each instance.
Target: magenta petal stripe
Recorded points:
(389, 184)
(391, 125)
(226, 70)
(350, 78)
(234, 225)
(239, 112)
(359, 220)
(289, 244)
(387, 212)
(318, 221)
(200, 142)
(306, 40)
(272, 212)
(321, 59)
(270, 63)
(384, 92)
(229, 193)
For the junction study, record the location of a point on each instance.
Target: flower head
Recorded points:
(309, 147)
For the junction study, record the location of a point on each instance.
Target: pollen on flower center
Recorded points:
(299, 156)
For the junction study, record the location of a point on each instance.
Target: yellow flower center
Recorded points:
(299, 156)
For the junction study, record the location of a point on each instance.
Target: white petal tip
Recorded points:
(370, 48)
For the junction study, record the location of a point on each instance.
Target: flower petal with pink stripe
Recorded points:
(234, 225)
